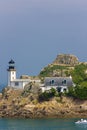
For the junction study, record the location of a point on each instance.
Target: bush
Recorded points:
(48, 71)
(81, 91)
(45, 96)
(71, 91)
(79, 74)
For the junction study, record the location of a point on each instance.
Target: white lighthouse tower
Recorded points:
(11, 72)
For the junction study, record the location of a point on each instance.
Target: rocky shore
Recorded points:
(12, 104)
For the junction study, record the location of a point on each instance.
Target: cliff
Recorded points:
(14, 104)
(61, 66)
(66, 59)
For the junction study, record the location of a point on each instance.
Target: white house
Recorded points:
(13, 81)
(59, 83)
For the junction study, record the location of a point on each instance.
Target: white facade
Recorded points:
(11, 76)
(13, 81)
(63, 88)
(19, 83)
(59, 83)
(44, 88)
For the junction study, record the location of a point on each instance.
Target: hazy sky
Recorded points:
(34, 32)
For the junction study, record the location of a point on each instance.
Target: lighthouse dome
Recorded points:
(11, 62)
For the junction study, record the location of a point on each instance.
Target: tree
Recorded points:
(45, 96)
(79, 73)
(81, 91)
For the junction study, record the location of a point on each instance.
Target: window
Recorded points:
(52, 82)
(12, 72)
(16, 83)
(64, 82)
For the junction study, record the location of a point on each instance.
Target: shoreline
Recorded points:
(42, 113)
(17, 106)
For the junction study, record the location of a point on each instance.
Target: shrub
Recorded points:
(79, 73)
(45, 96)
(48, 71)
(81, 91)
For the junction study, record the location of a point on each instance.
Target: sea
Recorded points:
(40, 124)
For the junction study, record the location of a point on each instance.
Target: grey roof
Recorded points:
(58, 81)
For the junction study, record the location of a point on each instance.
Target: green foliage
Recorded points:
(81, 91)
(52, 91)
(48, 71)
(79, 76)
(79, 73)
(45, 96)
(71, 91)
(80, 79)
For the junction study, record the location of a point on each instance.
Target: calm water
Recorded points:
(40, 124)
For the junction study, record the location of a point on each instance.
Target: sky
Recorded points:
(34, 32)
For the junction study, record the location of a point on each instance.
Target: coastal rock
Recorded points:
(23, 107)
(66, 59)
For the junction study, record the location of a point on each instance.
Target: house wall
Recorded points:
(63, 88)
(36, 80)
(59, 83)
(47, 88)
(18, 84)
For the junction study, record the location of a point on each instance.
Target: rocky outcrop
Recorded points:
(25, 104)
(66, 59)
(31, 88)
(15, 105)
(49, 109)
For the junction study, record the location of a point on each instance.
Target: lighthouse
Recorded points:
(11, 72)
(17, 83)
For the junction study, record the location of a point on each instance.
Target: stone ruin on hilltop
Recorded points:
(66, 59)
